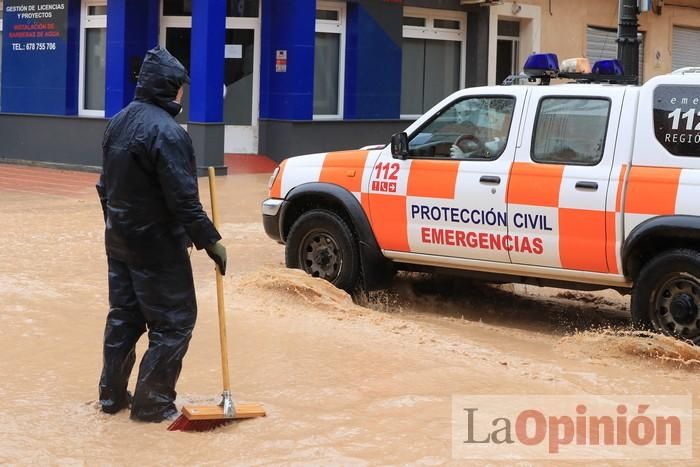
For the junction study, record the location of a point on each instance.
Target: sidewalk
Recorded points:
(44, 181)
(68, 183)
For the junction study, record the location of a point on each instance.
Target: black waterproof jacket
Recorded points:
(148, 187)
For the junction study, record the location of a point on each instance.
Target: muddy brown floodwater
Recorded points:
(343, 384)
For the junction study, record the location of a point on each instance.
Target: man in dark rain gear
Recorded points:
(152, 211)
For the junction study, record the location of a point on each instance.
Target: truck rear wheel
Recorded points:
(666, 296)
(322, 244)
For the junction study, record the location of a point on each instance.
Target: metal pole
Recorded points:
(627, 38)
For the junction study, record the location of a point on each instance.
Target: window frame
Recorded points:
(570, 97)
(88, 22)
(333, 27)
(451, 104)
(430, 32)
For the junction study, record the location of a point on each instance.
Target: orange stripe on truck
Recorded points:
(620, 186)
(582, 240)
(433, 179)
(389, 221)
(611, 241)
(652, 190)
(276, 188)
(535, 184)
(344, 168)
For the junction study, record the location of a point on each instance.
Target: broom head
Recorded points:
(208, 417)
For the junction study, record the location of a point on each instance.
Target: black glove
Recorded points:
(217, 252)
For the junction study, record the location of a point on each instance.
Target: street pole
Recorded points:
(627, 38)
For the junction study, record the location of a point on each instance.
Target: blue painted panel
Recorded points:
(131, 31)
(373, 61)
(40, 57)
(207, 63)
(287, 25)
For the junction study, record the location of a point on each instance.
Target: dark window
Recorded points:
(94, 85)
(326, 73)
(571, 130)
(234, 8)
(97, 10)
(430, 72)
(177, 7)
(327, 15)
(509, 28)
(507, 53)
(677, 119)
(413, 21)
(474, 128)
(507, 50)
(178, 42)
(242, 8)
(446, 24)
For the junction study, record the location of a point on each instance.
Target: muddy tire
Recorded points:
(666, 295)
(321, 244)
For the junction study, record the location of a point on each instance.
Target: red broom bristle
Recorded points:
(182, 423)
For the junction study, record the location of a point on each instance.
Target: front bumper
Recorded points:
(271, 209)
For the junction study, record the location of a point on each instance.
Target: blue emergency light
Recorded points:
(541, 66)
(545, 67)
(608, 68)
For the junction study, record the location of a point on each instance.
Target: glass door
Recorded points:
(240, 91)
(507, 50)
(241, 81)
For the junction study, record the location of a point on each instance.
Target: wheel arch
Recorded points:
(655, 235)
(317, 195)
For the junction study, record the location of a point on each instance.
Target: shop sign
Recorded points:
(35, 27)
(281, 61)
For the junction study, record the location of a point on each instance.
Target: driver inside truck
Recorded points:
(483, 129)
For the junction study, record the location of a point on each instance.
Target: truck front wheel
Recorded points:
(322, 244)
(666, 295)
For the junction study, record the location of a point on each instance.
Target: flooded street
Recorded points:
(343, 384)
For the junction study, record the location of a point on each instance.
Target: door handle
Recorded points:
(588, 186)
(490, 180)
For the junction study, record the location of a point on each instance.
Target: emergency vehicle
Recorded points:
(589, 184)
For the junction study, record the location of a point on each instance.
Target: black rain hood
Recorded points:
(160, 78)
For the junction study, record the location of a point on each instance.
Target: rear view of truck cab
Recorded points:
(589, 184)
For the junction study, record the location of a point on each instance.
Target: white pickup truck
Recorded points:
(586, 185)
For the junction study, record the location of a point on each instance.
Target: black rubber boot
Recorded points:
(168, 303)
(125, 325)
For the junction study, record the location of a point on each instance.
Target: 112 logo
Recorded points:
(386, 173)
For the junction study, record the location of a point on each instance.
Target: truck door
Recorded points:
(559, 181)
(448, 198)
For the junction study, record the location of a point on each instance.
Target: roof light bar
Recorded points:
(545, 67)
(576, 65)
(541, 66)
(608, 68)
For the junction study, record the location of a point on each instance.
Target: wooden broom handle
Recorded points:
(219, 288)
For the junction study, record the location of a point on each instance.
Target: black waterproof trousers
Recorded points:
(160, 299)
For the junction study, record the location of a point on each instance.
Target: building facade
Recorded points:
(286, 77)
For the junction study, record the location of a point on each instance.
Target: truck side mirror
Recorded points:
(399, 146)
